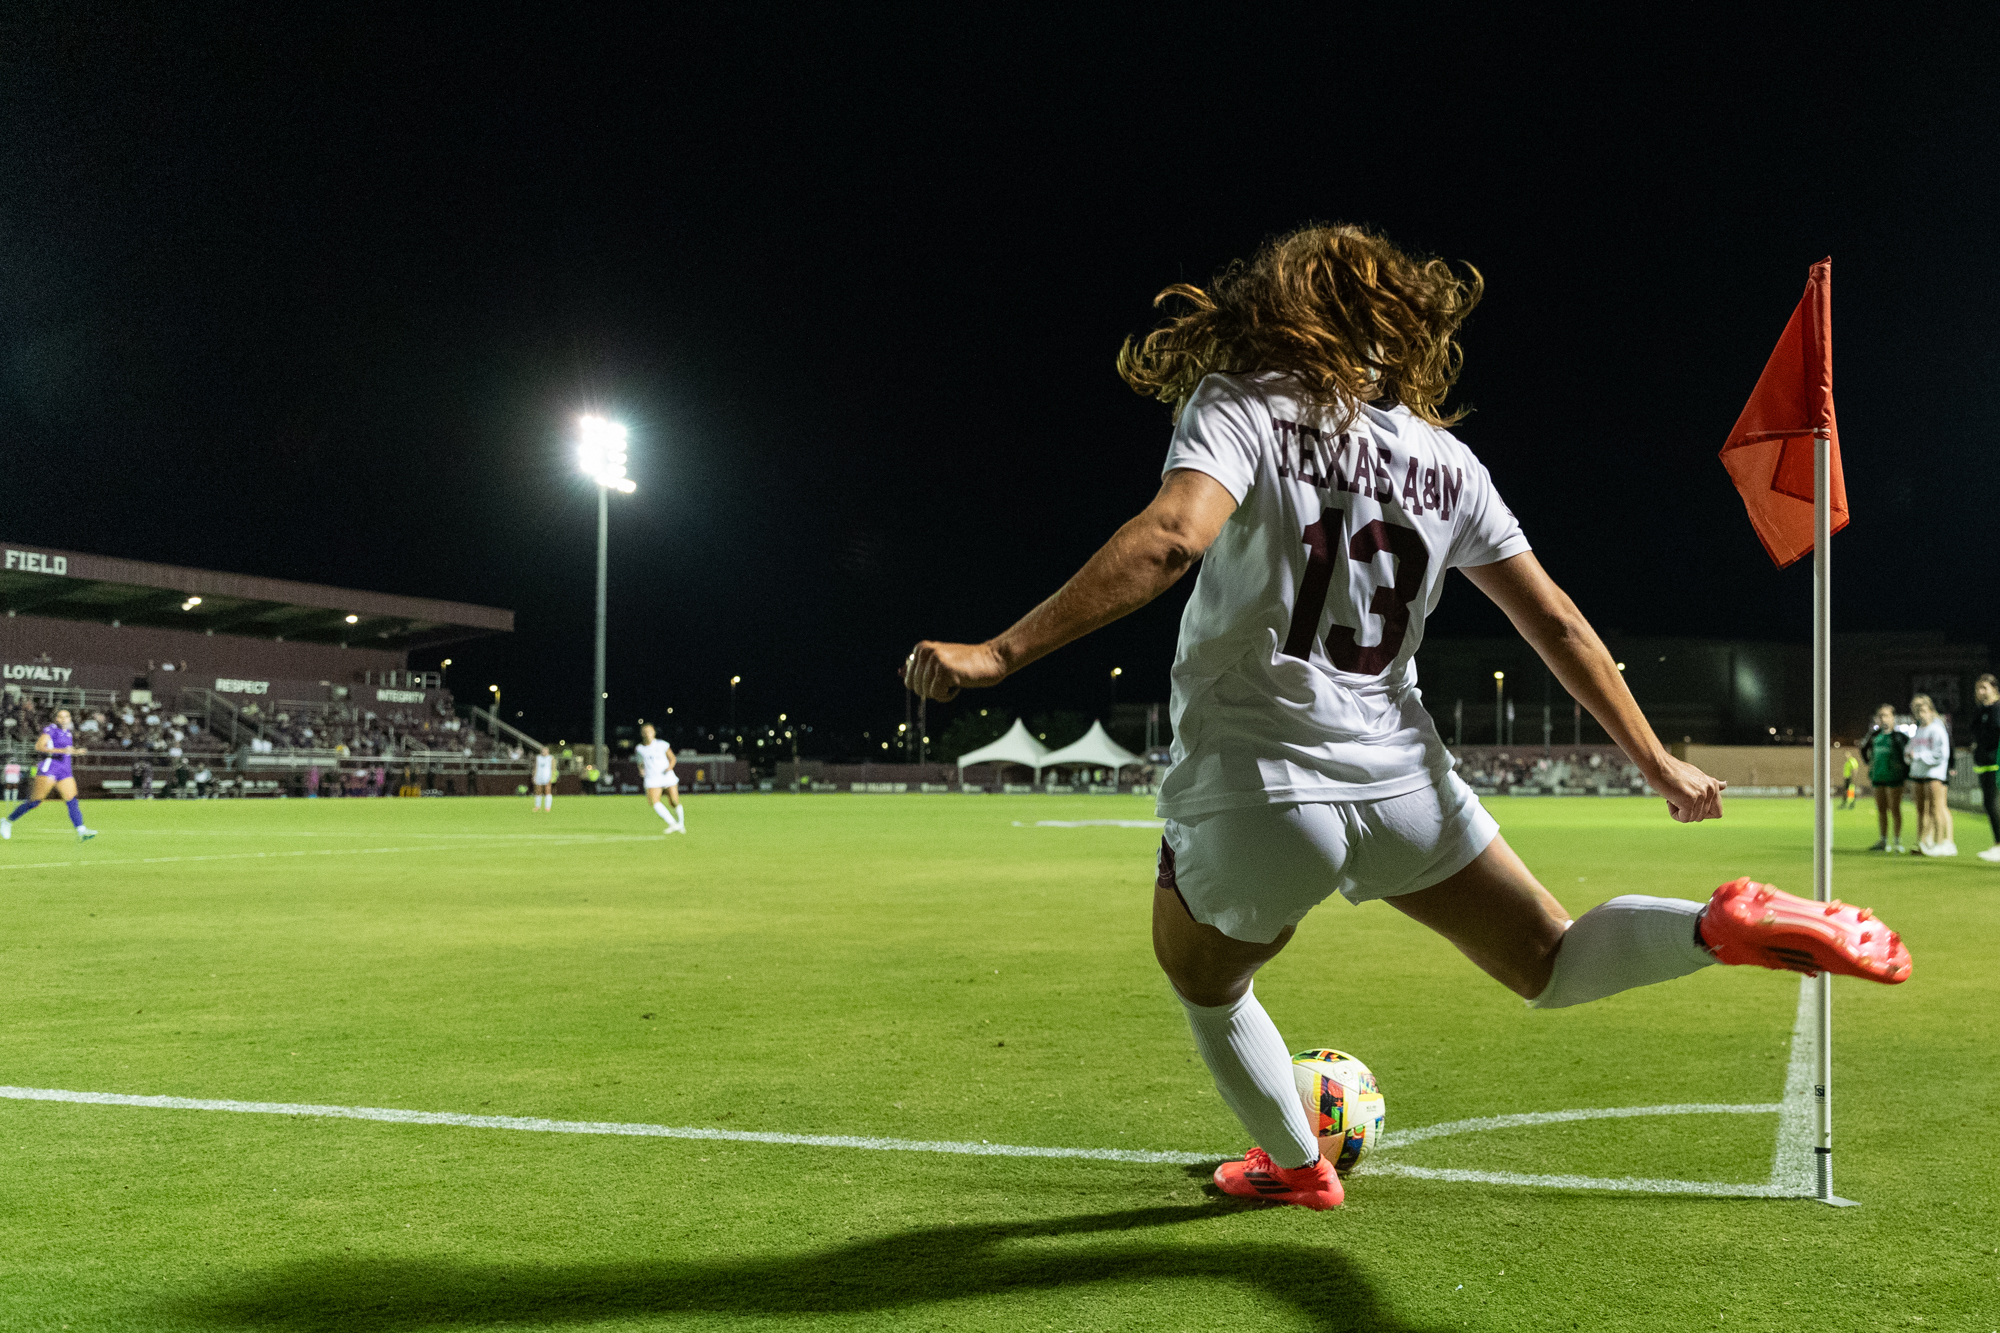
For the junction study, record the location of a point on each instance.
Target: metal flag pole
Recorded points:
(1823, 799)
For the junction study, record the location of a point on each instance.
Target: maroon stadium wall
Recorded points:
(76, 654)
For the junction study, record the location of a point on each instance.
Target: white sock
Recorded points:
(1630, 941)
(549, 801)
(660, 809)
(1253, 1071)
(681, 818)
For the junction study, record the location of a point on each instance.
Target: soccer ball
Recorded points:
(1342, 1103)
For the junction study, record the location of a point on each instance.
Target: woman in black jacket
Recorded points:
(1985, 741)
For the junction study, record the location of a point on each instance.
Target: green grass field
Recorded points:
(921, 968)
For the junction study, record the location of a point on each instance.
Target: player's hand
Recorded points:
(940, 670)
(1692, 795)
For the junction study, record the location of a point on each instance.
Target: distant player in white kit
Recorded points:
(1312, 477)
(544, 780)
(656, 765)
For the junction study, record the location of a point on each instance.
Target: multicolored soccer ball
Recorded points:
(1342, 1103)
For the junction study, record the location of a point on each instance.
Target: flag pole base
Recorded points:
(1825, 1192)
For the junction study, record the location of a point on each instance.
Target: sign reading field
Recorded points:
(34, 562)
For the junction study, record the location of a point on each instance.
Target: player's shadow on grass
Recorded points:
(909, 1268)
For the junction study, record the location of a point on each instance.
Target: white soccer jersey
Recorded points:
(545, 769)
(653, 765)
(1294, 679)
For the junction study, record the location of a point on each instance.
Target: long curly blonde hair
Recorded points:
(1339, 309)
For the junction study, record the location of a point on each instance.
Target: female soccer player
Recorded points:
(656, 766)
(544, 780)
(1930, 767)
(1311, 473)
(1986, 754)
(1888, 769)
(56, 747)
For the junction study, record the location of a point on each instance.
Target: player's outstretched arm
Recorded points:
(1556, 630)
(1142, 560)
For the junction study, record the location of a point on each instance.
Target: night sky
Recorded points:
(319, 298)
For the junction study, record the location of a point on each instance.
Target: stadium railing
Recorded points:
(220, 715)
(483, 717)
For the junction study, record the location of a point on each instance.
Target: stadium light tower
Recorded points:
(600, 452)
(1499, 717)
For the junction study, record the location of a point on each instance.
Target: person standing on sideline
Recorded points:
(11, 780)
(1986, 754)
(57, 747)
(543, 780)
(656, 768)
(1848, 769)
(1930, 768)
(1312, 478)
(1884, 748)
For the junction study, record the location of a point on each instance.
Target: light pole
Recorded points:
(1116, 672)
(734, 681)
(495, 719)
(1499, 713)
(600, 452)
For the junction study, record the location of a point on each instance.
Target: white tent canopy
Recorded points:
(1095, 750)
(1016, 747)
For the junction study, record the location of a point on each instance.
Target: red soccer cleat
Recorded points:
(1748, 922)
(1258, 1177)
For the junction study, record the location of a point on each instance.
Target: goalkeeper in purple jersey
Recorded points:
(54, 749)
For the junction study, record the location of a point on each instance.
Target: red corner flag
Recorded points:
(1770, 452)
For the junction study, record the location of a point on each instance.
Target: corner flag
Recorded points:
(1769, 454)
(1784, 456)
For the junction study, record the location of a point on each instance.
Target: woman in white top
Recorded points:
(1929, 753)
(656, 774)
(544, 780)
(1312, 475)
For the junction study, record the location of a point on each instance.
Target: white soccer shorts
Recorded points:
(1252, 872)
(656, 782)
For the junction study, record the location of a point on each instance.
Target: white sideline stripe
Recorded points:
(273, 856)
(210, 835)
(1792, 1164)
(1404, 1138)
(541, 1126)
(1633, 1184)
(1095, 823)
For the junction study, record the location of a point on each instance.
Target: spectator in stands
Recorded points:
(10, 778)
(183, 778)
(1930, 768)
(142, 779)
(204, 779)
(312, 782)
(1986, 754)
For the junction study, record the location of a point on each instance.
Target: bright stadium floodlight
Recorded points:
(191, 603)
(354, 620)
(600, 453)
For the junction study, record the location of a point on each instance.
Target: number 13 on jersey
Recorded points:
(1326, 540)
